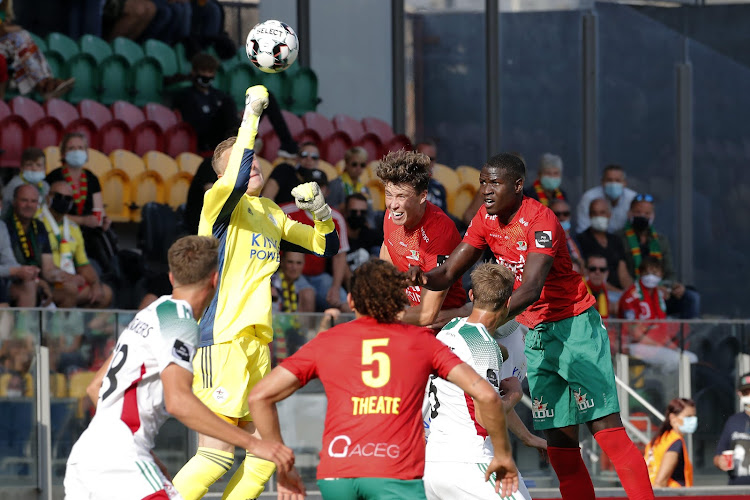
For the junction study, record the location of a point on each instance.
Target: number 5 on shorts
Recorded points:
(369, 357)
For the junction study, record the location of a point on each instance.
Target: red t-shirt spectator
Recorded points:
(315, 265)
(534, 229)
(374, 376)
(426, 245)
(643, 304)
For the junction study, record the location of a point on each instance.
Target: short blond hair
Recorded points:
(192, 259)
(218, 151)
(355, 151)
(492, 285)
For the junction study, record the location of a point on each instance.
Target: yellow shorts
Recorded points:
(224, 374)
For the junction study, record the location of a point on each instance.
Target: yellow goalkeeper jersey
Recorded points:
(250, 230)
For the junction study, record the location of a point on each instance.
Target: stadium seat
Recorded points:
(127, 48)
(39, 41)
(461, 197)
(58, 386)
(94, 111)
(52, 158)
(238, 80)
(177, 189)
(4, 110)
(328, 169)
(277, 84)
(115, 80)
(188, 162)
(160, 114)
(379, 128)
(116, 195)
(95, 47)
(147, 187)
(352, 127)
(264, 126)
(180, 138)
(63, 111)
(271, 144)
(446, 176)
(132, 115)
(115, 134)
(145, 137)
(467, 173)
(293, 123)
(148, 81)
(130, 163)
(160, 163)
(86, 127)
(98, 163)
(56, 65)
(303, 91)
(45, 132)
(334, 146)
(183, 63)
(5, 379)
(163, 54)
(28, 109)
(77, 385)
(377, 192)
(85, 69)
(60, 44)
(397, 143)
(13, 140)
(318, 123)
(372, 144)
(310, 135)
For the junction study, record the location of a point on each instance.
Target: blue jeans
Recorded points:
(322, 283)
(85, 18)
(688, 307)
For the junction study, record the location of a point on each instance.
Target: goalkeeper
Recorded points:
(235, 329)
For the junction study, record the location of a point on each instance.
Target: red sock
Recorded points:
(575, 482)
(628, 462)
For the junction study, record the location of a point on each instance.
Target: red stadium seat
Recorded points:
(94, 111)
(131, 114)
(26, 108)
(180, 138)
(293, 122)
(62, 110)
(147, 136)
(372, 144)
(379, 128)
(86, 127)
(352, 127)
(310, 135)
(332, 148)
(4, 110)
(13, 140)
(45, 132)
(396, 143)
(318, 123)
(160, 114)
(271, 145)
(115, 134)
(264, 126)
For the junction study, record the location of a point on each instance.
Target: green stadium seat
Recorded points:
(220, 82)
(130, 50)
(39, 41)
(183, 63)
(85, 70)
(163, 54)
(95, 47)
(278, 85)
(62, 45)
(238, 80)
(56, 64)
(116, 81)
(148, 81)
(303, 91)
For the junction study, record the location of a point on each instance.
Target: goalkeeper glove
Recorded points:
(256, 100)
(308, 197)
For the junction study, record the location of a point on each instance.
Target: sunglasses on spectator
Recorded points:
(593, 269)
(644, 197)
(358, 164)
(562, 214)
(307, 154)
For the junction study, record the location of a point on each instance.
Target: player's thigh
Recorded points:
(551, 398)
(76, 484)
(140, 479)
(380, 488)
(337, 489)
(453, 480)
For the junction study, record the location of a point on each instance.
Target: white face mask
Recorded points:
(650, 280)
(689, 425)
(599, 223)
(745, 403)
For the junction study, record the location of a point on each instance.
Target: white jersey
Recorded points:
(131, 407)
(454, 435)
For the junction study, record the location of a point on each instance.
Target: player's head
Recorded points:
(220, 161)
(378, 290)
(194, 262)
(491, 287)
(501, 183)
(291, 265)
(405, 175)
(680, 412)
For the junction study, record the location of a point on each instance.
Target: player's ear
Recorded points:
(215, 279)
(350, 301)
(171, 279)
(471, 295)
(423, 196)
(519, 185)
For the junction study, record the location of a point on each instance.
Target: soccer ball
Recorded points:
(272, 46)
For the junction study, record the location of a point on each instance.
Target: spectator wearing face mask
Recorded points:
(364, 242)
(615, 191)
(666, 455)
(561, 209)
(733, 449)
(546, 188)
(33, 171)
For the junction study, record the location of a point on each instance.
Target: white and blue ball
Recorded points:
(272, 46)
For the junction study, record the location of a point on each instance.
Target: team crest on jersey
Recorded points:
(414, 255)
(581, 401)
(521, 246)
(182, 351)
(539, 409)
(543, 239)
(492, 377)
(220, 394)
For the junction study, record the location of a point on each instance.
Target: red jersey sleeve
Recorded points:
(545, 234)
(476, 233)
(303, 362)
(443, 359)
(444, 238)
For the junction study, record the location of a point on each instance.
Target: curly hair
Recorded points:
(379, 290)
(492, 285)
(405, 167)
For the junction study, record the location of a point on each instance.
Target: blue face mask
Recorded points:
(550, 183)
(565, 225)
(33, 176)
(76, 158)
(613, 190)
(689, 425)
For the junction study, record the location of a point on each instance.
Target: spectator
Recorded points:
(561, 210)
(640, 239)
(204, 178)
(435, 190)
(208, 18)
(210, 111)
(29, 66)
(644, 301)
(597, 240)
(596, 281)
(355, 162)
(297, 294)
(33, 171)
(615, 192)
(666, 455)
(733, 449)
(364, 242)
(286, 177)
(329, 291)
(68, 251)
(18, 284)
(547, 185)
(126, 18)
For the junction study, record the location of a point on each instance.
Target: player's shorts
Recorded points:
(136, 480)
(571, 378)
(515, 365)
(224, 374)
(371, 488)
(454, 480)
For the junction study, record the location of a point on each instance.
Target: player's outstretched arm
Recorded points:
(182, 404)
(517, 427)
(322, 239)
(489, 405)
(443, 276)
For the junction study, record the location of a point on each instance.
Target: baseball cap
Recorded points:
(744, 382)
(315, 175)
